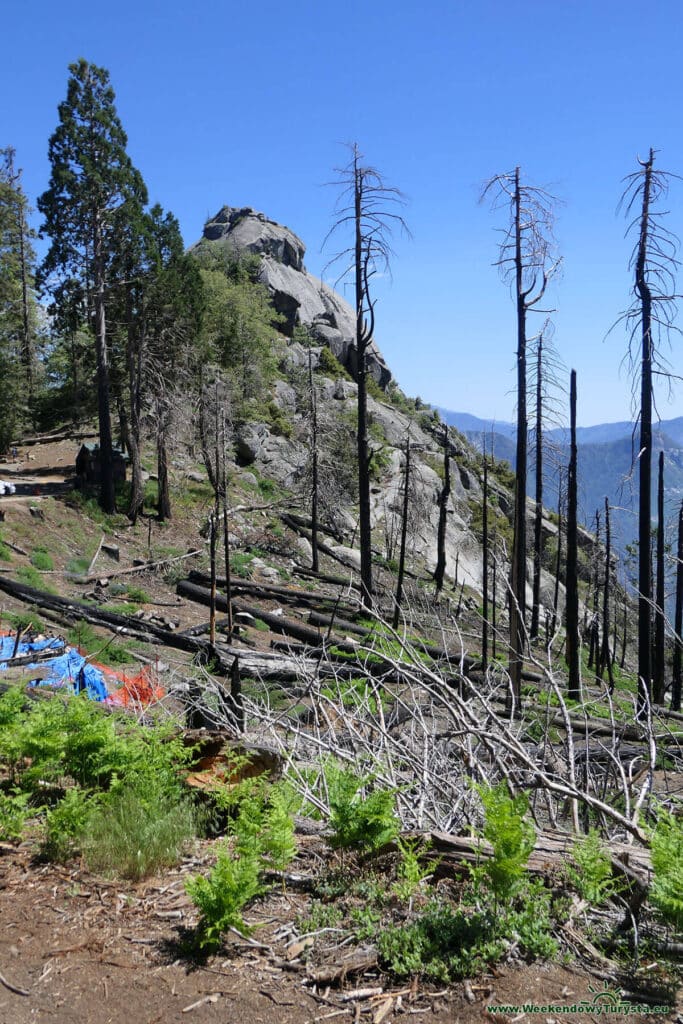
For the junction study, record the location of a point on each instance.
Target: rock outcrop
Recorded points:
(301, 298)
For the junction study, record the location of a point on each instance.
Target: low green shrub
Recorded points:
(412, 873)
(42, 559)
(262, 837)
(512, 837)
(29, 575)
(137, 831)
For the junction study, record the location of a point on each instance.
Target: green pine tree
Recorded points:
(93, 186)
(18, 311)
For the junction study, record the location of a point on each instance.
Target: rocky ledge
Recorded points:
(299, 296)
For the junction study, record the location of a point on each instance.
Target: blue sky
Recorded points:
(250, 104)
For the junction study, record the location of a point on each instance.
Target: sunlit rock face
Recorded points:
(300, 297)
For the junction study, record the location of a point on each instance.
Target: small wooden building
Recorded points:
(88, 468)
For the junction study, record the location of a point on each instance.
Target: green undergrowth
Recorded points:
(95, 784)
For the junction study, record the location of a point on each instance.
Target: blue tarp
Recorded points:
(68, 669)
(25, 647)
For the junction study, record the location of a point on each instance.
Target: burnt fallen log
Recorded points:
(123, 625)
(550, 854)
(267, 591)
(325, 577)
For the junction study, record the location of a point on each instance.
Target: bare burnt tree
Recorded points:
(485, 563)
(404, 537)
(658, 665)
(444, 495)
(314, 464)
(648, 320)
(593, 624)
(527, 262)
(558, 560)
(545, 368)
(605, 659)
(678, 619)
(572, 579)
(368, 209)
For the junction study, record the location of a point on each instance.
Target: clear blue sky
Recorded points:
(249, 103)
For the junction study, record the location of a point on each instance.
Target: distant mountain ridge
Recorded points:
(606, 459)
(601, 433)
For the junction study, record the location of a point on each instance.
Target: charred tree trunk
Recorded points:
(572, 608)
(658, 668)
(645, 449)
(212, 557)
(558, 563)
(133, 361)
(538, 510)
(594, 631)
(678, 619)
(404, 537)
(605, 659)
(518, 568)
(363, 336)
(107, 492)
(163, 483)
(485, 567)
(314, 467)
(444, 495)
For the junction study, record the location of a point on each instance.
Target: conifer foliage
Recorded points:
(93, 187)
(17, 304)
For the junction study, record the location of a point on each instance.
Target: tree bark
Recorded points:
(444, 494)
(314, 467)
(572, 583)
(606, 657)
(645, 449)
(538, 510)
(404, 535)
(485, 566)
(678, 619)
(107, 493)
(362, 339)
(518, 568)
(658, 667)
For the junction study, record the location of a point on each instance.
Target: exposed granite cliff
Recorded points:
(299, 296)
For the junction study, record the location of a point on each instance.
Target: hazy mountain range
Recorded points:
(606, 461)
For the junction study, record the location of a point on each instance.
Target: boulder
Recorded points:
(250, 441)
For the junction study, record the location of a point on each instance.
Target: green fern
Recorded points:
(667, 863)
(511, 836)
(221, 897)
(592, 876)
(365, 822)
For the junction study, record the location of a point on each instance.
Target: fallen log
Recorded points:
(269, 590)
(121, 624)
(143, 567)
(325, 577)
(551, 852)
(29, 659)
(356, 962)
(53, 438)
(278, 623)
